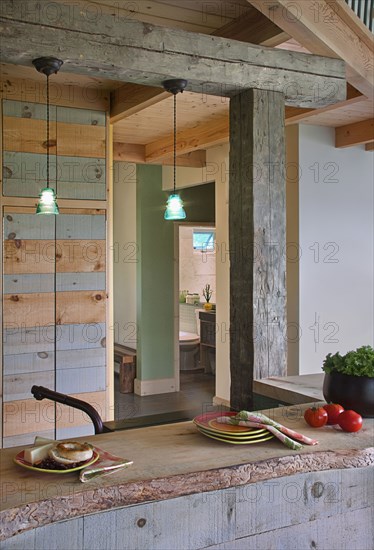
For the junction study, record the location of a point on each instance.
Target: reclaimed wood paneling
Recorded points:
(19, 225)
(81, 307)
(77, 380)
(27, 284)
(80, 281)
(26, 439)
(28, 362)
(68, 416)
(18, 386)
(28, 135)
(69, 94)
(73, 256)
(29, 257)
(29, 416)
(73, 226)
(257, 227)
(20, 339)
(84, 358)
(76, 177)
(46, 254)
(327, 510)
(82, 337)
(28, 310)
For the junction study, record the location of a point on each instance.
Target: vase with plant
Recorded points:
(349, 380)
(207, 293)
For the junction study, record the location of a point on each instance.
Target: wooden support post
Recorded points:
(257, 228)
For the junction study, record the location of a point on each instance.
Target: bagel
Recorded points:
(71, 452)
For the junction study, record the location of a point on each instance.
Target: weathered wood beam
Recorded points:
(327, 28)
(130, 152)
(130, 99)
(257, 230)
(253, 27)
(131, 51)
(355, 134)
(369, 146)
(204, 135)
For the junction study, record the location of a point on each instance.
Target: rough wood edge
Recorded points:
(18, 520)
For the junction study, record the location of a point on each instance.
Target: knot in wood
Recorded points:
(141, 522)
(98, 297)
(11, 236)
(317, 489)
(49, 144)
(14, 298)
(42, 354)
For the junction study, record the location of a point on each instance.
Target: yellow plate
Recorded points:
(18, 459)
(234, 437)
(237, 441)
(208, 421)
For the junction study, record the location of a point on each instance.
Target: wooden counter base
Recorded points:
(171, 461)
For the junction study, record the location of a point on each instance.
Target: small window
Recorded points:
(204, 240)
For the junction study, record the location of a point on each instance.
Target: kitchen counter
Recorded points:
(172, 461)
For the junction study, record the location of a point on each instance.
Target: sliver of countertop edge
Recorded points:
(60, 508)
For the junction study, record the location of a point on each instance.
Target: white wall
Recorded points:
(336, 239)
(196, 268)
(125, 253)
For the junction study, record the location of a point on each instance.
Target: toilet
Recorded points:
(189, 346)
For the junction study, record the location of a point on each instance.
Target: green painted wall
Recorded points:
(199, 202)
(155, 268)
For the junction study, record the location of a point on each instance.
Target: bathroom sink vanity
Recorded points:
(208, 332)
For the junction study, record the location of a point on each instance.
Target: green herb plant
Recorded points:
(207, 293)
(353, 363)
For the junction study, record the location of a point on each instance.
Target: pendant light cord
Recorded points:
(47, 130)
(175, 140)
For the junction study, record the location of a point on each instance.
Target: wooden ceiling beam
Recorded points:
(355, 134)
(203, 136)
(329, 28)
(130, 51)
(253, 27)
(130, 152)
(130, 99)
(295, 117)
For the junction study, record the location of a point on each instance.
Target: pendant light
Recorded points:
(47, 198)
(174, 208)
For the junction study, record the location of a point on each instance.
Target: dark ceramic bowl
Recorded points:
(351, 392)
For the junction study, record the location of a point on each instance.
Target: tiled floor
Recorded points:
(197, 391)
(196, 395)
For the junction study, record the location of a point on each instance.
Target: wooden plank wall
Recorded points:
(41, 254)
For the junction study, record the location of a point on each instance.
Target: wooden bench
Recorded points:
(126, 357)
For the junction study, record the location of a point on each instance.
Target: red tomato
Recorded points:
(333, 411)
(316, 417)
(350, 421)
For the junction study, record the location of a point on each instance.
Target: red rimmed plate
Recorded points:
(18, 459)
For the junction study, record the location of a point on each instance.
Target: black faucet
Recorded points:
(39, 392)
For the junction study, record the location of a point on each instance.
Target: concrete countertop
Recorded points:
(171, 461)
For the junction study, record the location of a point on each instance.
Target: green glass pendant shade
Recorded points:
(47, 202)
(174, 208)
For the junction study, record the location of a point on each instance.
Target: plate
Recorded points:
(234, 437)
(237, 441)
(18, 459)
(208, 421)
